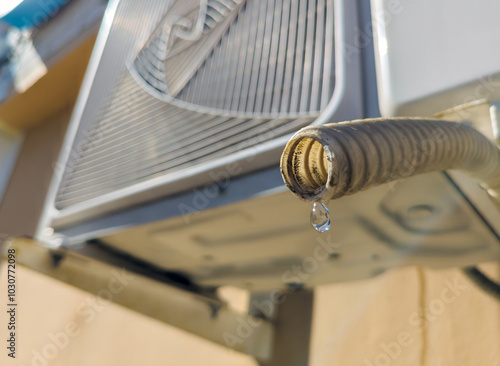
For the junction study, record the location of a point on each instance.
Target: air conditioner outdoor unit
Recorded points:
(172, 154)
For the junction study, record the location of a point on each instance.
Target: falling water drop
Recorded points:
(320, 217)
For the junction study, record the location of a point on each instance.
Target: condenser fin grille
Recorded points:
(268, 72)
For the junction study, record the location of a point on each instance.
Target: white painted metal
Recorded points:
(435, 54)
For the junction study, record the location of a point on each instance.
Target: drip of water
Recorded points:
(320, 217)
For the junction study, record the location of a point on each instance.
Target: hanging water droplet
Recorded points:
(320, 217)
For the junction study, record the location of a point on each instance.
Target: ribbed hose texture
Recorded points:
(329, 161)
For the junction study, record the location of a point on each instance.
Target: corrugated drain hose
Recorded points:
(325, 162)
(483, 281)
(329, 161)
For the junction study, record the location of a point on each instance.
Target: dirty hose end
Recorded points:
(307, 166)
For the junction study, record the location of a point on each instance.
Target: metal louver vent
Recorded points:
(253, 71)
(274, 57)
(272, 60)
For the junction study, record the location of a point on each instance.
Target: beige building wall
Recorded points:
(409, 316)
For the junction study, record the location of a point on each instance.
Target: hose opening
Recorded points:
(306, 167)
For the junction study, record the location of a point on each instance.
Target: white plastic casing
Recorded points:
(435, 54)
